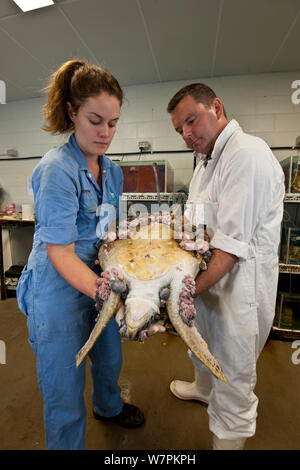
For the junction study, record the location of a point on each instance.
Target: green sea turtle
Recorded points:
(148, 266)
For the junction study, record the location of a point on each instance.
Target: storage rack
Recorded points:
(179, 197)
(287, 321)
(10, 224)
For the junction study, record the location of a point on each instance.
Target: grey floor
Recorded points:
(147, 371)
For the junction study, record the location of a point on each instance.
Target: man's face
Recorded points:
(199, 125)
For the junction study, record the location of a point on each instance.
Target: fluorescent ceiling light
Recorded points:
(27, 5)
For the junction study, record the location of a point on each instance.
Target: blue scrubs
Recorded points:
(59, 317)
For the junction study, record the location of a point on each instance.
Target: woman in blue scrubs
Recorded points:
(57, 287)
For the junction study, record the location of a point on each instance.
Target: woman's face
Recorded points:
(95, 123)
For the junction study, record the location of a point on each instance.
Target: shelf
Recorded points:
(164, 197)
(287, 316)
(289, 268)
(285, 333)
(289, 295)
(286, 323)
(13, 288)
(8, 223)
(292, 197)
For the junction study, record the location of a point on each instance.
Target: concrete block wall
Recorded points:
(261, 103)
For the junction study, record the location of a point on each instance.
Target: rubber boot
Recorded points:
(228, 444)
(198, 390)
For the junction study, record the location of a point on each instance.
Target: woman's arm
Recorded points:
(72, 269)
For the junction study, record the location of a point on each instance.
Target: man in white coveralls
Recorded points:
(240, 184)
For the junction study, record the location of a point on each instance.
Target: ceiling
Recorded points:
(148, 41)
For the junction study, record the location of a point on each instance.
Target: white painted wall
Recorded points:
(261, 103)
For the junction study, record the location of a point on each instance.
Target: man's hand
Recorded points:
(220, 264)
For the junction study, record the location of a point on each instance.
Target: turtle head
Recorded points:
(140, 312)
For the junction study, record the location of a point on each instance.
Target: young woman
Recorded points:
(57, 287)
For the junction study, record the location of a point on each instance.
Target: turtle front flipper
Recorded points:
(108, 311)
(112, 289)
(189, 332)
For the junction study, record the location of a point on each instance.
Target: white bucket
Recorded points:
(27, 212)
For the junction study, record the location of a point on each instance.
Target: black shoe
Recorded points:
(130, 417)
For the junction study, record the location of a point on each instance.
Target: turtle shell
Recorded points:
(148, 255)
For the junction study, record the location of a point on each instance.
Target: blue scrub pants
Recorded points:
(62, 384)
(60, 320)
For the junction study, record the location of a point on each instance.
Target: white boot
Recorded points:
(228, 444)
(199, 390)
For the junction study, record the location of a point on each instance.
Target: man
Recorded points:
(240, 185)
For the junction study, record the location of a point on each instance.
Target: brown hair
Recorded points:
(199, 91)
(75, 81)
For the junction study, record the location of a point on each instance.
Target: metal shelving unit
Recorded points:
(289, 268)
(287, 318)
(164, 197)
(292, 197)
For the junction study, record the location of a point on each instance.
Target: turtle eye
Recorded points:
(118, 286)
(164, 293)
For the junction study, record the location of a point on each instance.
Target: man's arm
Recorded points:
(220, 263)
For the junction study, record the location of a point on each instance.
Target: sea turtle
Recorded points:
(148, 266)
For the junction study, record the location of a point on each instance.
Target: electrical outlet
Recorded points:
(12, 152)
(145, 146)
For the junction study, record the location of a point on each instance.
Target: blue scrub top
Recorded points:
(68, 200)
(70, 208)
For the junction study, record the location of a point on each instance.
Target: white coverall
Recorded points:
(242, 189)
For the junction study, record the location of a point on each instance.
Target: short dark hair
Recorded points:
(199, 91)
